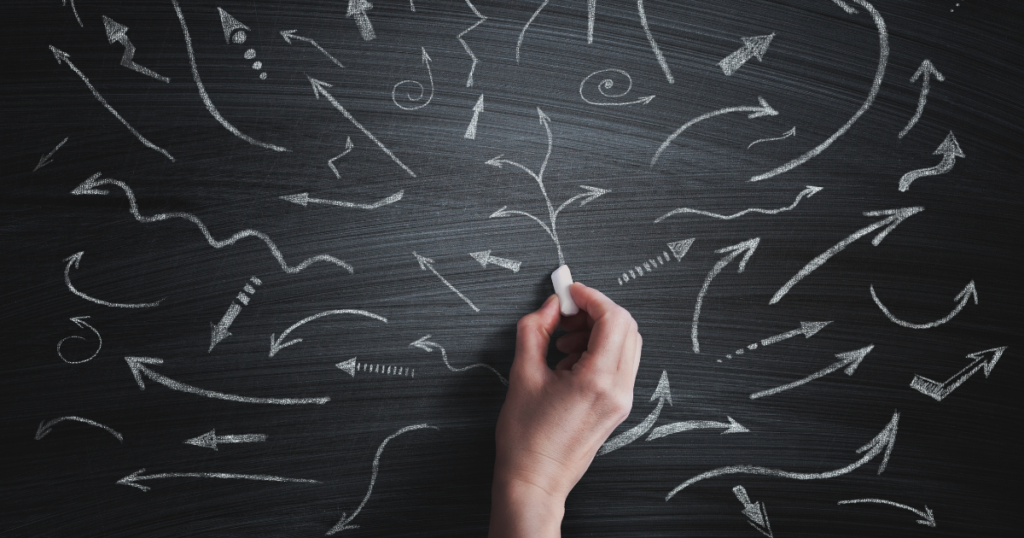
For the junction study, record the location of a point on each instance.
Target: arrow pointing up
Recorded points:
(753, 47)
(746, 249)
(756, 514)
(949, 149)
(662, 394)
(230, 25)
(925, 72)
(982, 360)
(358, 9)
(477, 109)
(849, 360)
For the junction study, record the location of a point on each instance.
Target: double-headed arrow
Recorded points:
(756, 514)
(963, 297)
(925, 72)
(303, 200)
(277, 344)
(484, 257)
(119, 33)
(210, 439)
(678, 427)
(763, 109)
(662, 394)
(746, 249)
(80, 321)
(949, 149)
(427, 263)
(981, 360)
(927, 517)
(46, 427)
(75, 259)
(289, 35)
(753, 47)
(807, 329)
(849, 360)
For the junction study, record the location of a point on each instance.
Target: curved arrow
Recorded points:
(80, 321)
(394, 98)
(608, 84)
(469, 79)
(303, 199)
(787, 134)
(678, 427)
(928, 517)
(654, 44)
(881, 444)
(763, 109)
(745, 248)
(89, 186)
(849, 360)
(949, 149)
(883, 59)
(662, 394)
(964, 297)
(939, 391)
(344, 524)
(277, 345)
(45, 427)
(806, 193)
(289, 35)
(136, 477)
(74, 259)
(527, 26)
(426, 345)
(926, 70)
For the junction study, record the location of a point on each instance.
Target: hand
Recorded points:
(554, 421)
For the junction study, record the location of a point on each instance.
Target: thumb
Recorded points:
(533, 333)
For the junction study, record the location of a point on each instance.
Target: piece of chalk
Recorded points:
(562, 279)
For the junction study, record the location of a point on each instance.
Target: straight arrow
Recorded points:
(136, 477)
(807, 329)
(46, 427)
(210, 439)
(753, 47)
(662, 394)
(477, 109)
(678, 427)
(963, 297)
(484, 257)
(220, 331)
(756, 514)
(303, 199)
(981, 360)
(279, 343)
(427, 263)
(763, 109)
(925, 73)
(358, 9)
(119, 33)
(289, 35)
(45, 159)
(849, 360)
(746, 249)
(75, 259)
(351, 366)
(949, 149)
(927, 517)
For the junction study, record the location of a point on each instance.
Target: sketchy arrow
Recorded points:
(220, 331)
(140, 369)
(90, 187)
(320, 88)
(62, 58)
(426, 345)
(394, 98)
(949, 149)
(46, 159)
(46, 427)
(351, 366)
(883, 444)
(605, 86)
(746, 249)
(484, 257)
(756, 514)
(806, 193)
(279, 343)
(75, 259)
(849, 360)
(526, 26)
(807, 329)
(763, 109)
(358, 9)
(303, 199)
(348, 147)
(927, 518)
(679, 427)
(289, 35)
(963, 298)
(210, 439)
(469, 51)
(787, 134)
(662, 394)
(427, 263)
(82, 324)
(654, 44)
(925, 73)
(346, 519)
(118, 33)
(477, 109)
(893, 218)
(981, 360)
(753, 47)
(136, 477)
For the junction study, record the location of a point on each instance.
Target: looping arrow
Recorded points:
(80, 321)
(119, 33)
(963, 297)
(75, 259)
(409, 96)
(46, 427)
(426, 345)
(662, 394)
(279, 343)
(982, 360)
(949, 149)
(607, 84)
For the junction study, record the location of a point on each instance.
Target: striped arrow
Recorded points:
(210, 439)
(939, 391)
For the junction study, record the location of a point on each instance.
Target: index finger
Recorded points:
(611, 329)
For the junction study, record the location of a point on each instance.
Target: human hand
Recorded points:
(554, 421)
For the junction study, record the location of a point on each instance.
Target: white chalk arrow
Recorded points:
(477, 109)
(526, 26)
(210, 439)
(320, 88)
(484, 257)
(981, 360)
(849, 360)
(654, 44)
(927, 517)
(763, 109)
(358, 9)
(787, 134)
(427, 263)
(47, 426)
(963, 297)
(746, 249)
(418, 98)
(680, 248)
(45, 159)
(426, 345)
(220, 331)
(119, 33)
(893, 218)
(63, 57)
(303, 199)
(230, 25)
(925, 73)
(607, 84)
(662, 394)
(75, 259)
(949, 149)
(348, 147)
(139, 369)
(881, 444)
(351, 366)
(756, 514)
(279, 343)
(807, 329)
(753, 47)
(136, 477)
(289, 35)
(346, 520)
(472, 68)
(806, 193)
(80, 321)
(678, 427)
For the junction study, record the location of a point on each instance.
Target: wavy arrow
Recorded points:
(139, 369)
(394, 98)
(80, 321)
(477, 109)
(760, 111)
(118, 33)
(427, 263)
(893, 218)
(925, 72)
(279, 343)
(303, 199)
(45, 159)
(662, 394)
(678, 427)
(289, 35)
(654, 44)
(358, 9)
(787, 134)
(348, 147)
(346, 520)
(75, 259)
(63, 57)
(469, 79)
(949, 149)
(881, 444)
(522, 34)
(806, 193)
(928, 517)
(46, 427)
(608, 84)
(756, 514)
(807, 329)
(426, 345)
(939, 391)
(136, 477)
(746, 249)
(849, 360)
(210, 439)
(963, 297)
(753, 47)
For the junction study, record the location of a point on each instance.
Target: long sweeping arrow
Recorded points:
(136, 477)
(210, 439)
(849, 360)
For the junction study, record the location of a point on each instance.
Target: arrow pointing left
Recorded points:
(982, 360)
(849, 360)
(80, 321)
(303, 199)
(119, 33)
(45, 159)
(289, 35)
(484, 257)
(427, 263)
(210, 439)
(279, 343)
(136, 477)
(746, 249)
(662, 394)
(74, 259)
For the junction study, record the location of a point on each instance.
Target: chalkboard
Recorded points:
(263, 261)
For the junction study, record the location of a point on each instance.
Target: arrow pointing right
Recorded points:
(662, 394)
(928, 517)
(939, 391)
(763, 109)
(949, 149)
(849, 360)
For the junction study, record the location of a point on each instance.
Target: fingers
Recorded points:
(568, 362)
(613, 336)
(573, 342)
(533, 333)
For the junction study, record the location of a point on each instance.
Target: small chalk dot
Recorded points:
(239, 37)
(739, 351)
(728, 356)
(257, 64)
(250, 54)
(263, 76)
(752, 347)
(719, 360)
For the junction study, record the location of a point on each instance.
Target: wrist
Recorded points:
(520, 509)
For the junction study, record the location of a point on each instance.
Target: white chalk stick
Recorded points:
(562, 279)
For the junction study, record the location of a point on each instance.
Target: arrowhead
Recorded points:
(319, 86)
(648, 99)
(217, 334)
(811, 328)
(348, 143)
(206, 440)
(479, 106)
(481, 257)
(662, 392)
(495, 162)
(349, 366)
(950, 146)
(886, 438)
(735, 427)
(747, 248)
(499, 213)
(758, 45)
(276, 345)
(852, 359)
(89, 186)
(288, 35)
(42, 431)
(812, 190)
(424, 343)
(426, 57)
(229, 24)
(115, 31)
(356, 7)
(42, 162)
(969, 291)
(424, 262)
(130, 480)
(543, 117)
(995, 353)
(138, 366)
(301, 199)
(680, 248)
(75, 258)
(929, 518)
(60, 55)
(927, 68)
(766, 110)
(80, 321)
(895, 217)
(595, 193)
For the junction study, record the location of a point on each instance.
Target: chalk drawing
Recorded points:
(210, 439)
(358, 9)
(351, 366)
(746, 249)
(927, 517)
(964, 297)
(74, 260)
(485, 258)
(394, 98)
(807, 329)
(662, 394)
(679, 427)
(925, 73)
(427, 345)
(136, 477)
(477, 109)
(277, 344)
(472, 68)
(80, 321)
(289, 35)
(806, 193)
(591, 15)
(220, 331)
(607, 84)
(849, 360)
(46, 159)
(980, 360)
(303, 199)
(73, 10)
(118, 33)
(427, 263)
(527, 26)
(46, 427)
(654, 44)
(756, 514)
(753, 47)
(787, 134)
(949, 149)
(678, 248)
(330, 162)
(763, 109)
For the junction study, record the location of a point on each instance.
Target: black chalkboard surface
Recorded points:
(263, 261)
